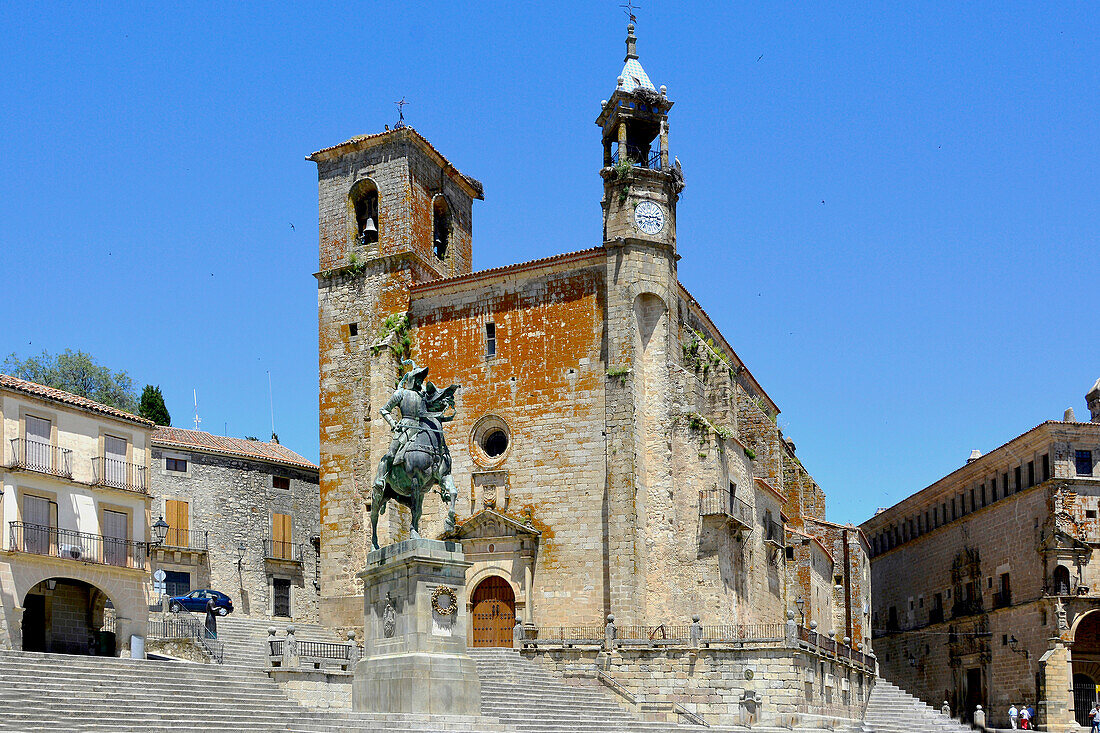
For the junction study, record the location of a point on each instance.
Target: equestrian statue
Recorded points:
(418, 458)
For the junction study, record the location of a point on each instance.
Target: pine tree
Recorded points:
(152, 406)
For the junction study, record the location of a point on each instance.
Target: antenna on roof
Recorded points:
(271, 403)
(198, 419)
(400, 112)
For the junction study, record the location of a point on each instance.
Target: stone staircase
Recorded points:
(245, 638)
(523, 694)
(57, 692)
(893, 710)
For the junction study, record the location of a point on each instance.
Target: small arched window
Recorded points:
(364, 201)
(441, 226)
(1061, 581)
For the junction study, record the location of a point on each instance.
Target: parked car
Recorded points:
(196, 601)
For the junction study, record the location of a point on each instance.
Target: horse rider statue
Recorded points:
(418, 457)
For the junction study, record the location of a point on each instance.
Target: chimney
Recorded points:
(1092, 399)
(974, 455)
(1069, 416)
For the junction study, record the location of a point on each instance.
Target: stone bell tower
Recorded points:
(392, 212)
(641, 188)
(637, 172)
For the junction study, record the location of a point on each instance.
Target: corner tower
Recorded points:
(393, 212)
(639, 230)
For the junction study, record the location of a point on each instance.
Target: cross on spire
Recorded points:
(401, 111)
(629, 9)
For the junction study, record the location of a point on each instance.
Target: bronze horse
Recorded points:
(423, 463)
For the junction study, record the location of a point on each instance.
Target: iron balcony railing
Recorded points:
(32, 455)
(119, 474)
(639, 158)
(966, 608)
(773, 532)
(714, 502)
(186, 539)
(80, 546)
(285, 551)
(1003, 599)
(741, 634)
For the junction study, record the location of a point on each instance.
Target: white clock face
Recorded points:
(649, 217)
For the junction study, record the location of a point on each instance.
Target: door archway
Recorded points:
(68, 616)
(494, 612)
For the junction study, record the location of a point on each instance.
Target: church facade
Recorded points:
(612, 452)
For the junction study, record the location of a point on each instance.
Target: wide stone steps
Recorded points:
(245, 639)
(892, 710)
(53, 692)
(522, 694)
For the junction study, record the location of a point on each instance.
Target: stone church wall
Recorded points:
(545, 386)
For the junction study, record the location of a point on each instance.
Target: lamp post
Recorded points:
(160, 531)
(801, 603)
(241, 549)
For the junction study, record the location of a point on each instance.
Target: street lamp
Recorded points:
(801, 603)
(160, 531)
(1013, 644)
(241, 549)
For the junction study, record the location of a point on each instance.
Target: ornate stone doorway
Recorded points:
(494, 612)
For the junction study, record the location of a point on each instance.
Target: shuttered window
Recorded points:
(176, 512)
(280, 533)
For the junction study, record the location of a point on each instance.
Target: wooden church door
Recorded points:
(494, 612)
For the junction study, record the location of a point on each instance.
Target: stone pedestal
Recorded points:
(414, 656)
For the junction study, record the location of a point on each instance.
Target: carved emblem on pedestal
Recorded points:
(444, 601)
(389, 619)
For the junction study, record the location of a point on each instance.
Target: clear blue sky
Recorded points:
(942, 298)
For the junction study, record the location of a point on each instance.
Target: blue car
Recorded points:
(196, 601)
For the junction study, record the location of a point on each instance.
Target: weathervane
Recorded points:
(400, 112)
(629, 9)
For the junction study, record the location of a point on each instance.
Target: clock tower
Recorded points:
(641, 186)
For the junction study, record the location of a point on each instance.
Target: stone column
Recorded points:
(123, 629)
(1056, 711)
(414, 656)
(529, 595)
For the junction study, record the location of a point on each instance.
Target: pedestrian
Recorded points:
(1031, 716)
(211, 619)
(1094, 719)
(1025, 717)
(1013, 713)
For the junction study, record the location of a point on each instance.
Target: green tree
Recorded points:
(152, 406)
(77, 373)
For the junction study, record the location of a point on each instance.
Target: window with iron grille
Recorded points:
(1084, 462)
(177, 583)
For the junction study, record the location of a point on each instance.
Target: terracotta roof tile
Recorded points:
(58, 395)
(517, 267)
(203, 441)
